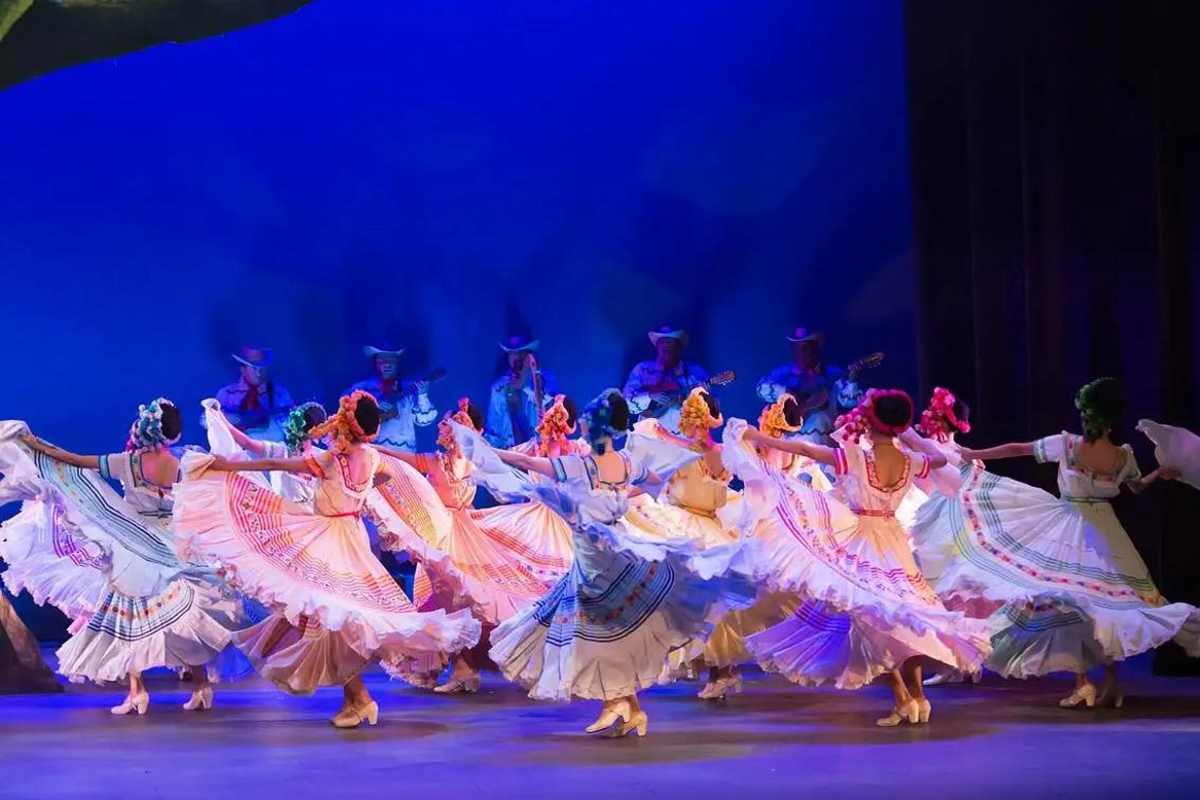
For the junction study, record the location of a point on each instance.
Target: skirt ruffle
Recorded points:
(299, 659)
(662, 521)
(492, 562)
(607, 627)
(870, 608)
(1069, 590)
(45, 559)
(174, 629)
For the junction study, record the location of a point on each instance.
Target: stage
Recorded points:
(994, 740)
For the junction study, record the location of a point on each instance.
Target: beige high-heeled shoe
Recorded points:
(459, 686)
(724, 686)
(201, 700)
(942, 678)
(638, 722)
(610, 716)
(1085, 694)
(353, 716)
(135, 702)
(924, 710)
(910, 712)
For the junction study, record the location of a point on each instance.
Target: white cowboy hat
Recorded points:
(802, 334)
(251, 356)
(519, 344)
(372, 352)
(668, 332)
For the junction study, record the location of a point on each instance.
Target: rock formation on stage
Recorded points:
(39, 36)
(21, 666)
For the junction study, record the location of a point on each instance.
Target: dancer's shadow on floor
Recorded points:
(682, 744)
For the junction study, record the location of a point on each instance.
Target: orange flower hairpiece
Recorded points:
(342, 427)
(555, 425)
(773, 421)
(462, 416)
(695, 420)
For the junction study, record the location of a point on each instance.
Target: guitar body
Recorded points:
(663, 402)
(409, 389)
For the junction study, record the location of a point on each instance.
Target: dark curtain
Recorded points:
(1055, 171)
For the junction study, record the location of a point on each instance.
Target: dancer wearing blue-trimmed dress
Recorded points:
(606, 628)
(155, 609)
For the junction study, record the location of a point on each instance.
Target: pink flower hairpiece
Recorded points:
(857, 422)
(939, 421)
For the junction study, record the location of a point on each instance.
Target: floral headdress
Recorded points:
(695, 418)
(146, 431)
(857, 422)
(555, 425)
(296, 426)
(939, 420)
(343, 428)
(462, 415)
(599, 414)
(773, 420)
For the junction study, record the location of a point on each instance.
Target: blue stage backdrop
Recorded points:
(442, 173)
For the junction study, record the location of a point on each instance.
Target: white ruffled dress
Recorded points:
(110, 562)
(334, 606)
(1071, 589)
(868, 608)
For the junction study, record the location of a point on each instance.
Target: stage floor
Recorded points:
(1000, 739)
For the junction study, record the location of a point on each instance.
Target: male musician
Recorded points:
(403, 405)
(658, 388)
(520, 395)
(825, 392)
(255, 403)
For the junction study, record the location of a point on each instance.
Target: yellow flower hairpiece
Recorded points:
(695, 419)
(773, 421)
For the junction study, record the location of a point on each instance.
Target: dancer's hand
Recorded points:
(967, 454)
(220, 463)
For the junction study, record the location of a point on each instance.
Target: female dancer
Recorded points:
(157, 610)
(313, 565)
(698, 504)
(477, 560)
(606, 628)
(936, 498)
(726, 646)
(1076, 593)
(870, 611)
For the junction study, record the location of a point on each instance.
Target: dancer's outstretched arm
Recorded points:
(58, 454)
(1141, 484)
(661, 432)
(248, 444)
(914, 441)
(1010, 450)
(817, 452)
(414, 460)
(541, 466)
(296, 465)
